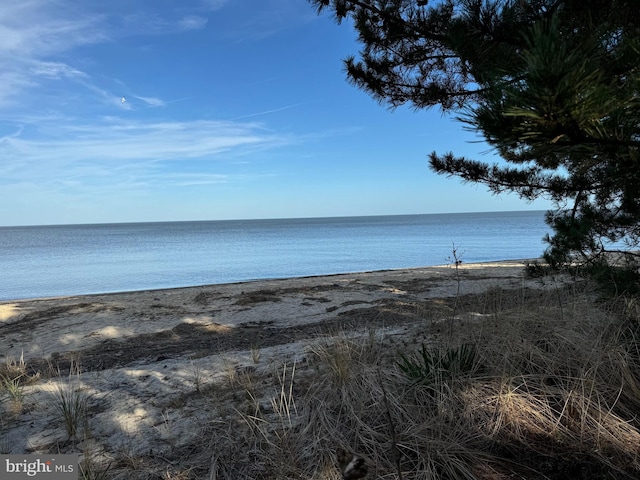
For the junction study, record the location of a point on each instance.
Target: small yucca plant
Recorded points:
(425, 366)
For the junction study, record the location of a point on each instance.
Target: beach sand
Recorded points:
(138, 355)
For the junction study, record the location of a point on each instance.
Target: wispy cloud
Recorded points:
(197, 179)
(274, 110)
(38, 28)
(152, 23)
(133, 141)
(151, 101)
(116, 151)
(55, 70)
(32, 33)
(40, 36)
(192, 22)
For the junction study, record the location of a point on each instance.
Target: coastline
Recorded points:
(47, 261)
(137, 352)
(472, 265)
(40, 327)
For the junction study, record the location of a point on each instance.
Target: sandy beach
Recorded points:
(121, 329)
(141, 357)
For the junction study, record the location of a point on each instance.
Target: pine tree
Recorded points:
(552, 85)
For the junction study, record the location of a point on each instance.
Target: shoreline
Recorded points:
(71, 325)
(138, 354)
(181, 383)
(492, 263)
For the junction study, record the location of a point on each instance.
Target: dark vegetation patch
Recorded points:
(204, 298)
(30, 320)
(422, 285)
(307, 290)
(414, 285)
(318, 299)
(259, 296)
(275, 295)
(348, 303)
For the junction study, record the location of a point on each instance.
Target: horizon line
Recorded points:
(246, 219)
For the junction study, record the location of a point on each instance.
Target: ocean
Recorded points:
(48, 261)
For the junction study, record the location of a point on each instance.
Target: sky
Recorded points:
(174, 110)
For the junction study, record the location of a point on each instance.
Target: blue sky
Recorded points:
(234, 109)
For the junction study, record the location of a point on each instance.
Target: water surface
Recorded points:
(45, 261)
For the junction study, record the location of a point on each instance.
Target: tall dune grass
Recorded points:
(509, 384)
(554, 393)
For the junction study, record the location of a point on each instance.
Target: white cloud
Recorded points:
(32, 33)
(12, 82)
(55, 70)
(39, 39)
(151, 101)
(35, 29)
(152, 23)
(119, 152)
(192, 22)
(197, 179)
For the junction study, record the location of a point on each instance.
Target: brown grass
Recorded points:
(554, 394)
(554, 397)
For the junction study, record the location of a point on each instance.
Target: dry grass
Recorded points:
(13, 378)
(554, 394)
(71, 402)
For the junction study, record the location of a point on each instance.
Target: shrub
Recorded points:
(426, 367)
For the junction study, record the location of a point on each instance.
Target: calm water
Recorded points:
(78, 259)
